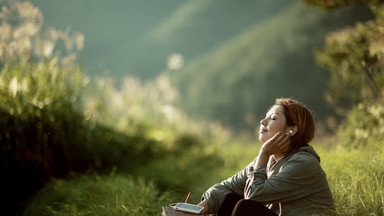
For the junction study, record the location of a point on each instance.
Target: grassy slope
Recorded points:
(355, 177)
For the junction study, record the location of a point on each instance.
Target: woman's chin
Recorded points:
(263, 138)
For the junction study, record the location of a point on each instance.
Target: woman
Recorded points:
(285, 178)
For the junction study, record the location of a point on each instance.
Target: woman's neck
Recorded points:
(277, 157)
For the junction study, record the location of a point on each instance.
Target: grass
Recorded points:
(122, 194)
(356, 179)
(115, 194)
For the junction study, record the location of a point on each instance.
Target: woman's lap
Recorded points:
(235, 205)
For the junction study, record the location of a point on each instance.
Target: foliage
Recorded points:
(41, 125)
(44, 130)
(355, 57)
(148, 109)
(45, 134)
(38, 113)
(22, 38)
(363, 127)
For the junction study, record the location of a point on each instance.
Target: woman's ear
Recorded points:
(294, 130)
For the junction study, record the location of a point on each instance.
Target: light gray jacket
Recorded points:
(294, 185)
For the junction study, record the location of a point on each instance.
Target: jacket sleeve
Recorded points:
(216, 194)
(295, 180)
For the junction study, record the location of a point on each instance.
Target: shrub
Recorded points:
(364, 126)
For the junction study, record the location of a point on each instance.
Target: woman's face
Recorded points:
(273, 122)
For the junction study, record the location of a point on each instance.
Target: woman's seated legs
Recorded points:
(251, 208)
(235, 205)
(229, 204)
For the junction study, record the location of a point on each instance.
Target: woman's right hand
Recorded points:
(205, 205)
(278, 144)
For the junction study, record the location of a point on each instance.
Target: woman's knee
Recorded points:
(246, 207)
(244, 203)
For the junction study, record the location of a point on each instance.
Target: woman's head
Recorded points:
(285, 115)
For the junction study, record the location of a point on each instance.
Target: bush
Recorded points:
(40, 124)
(44, 132)
(364, 126)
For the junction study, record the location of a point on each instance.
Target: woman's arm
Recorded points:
(295, 180)
(216, 194)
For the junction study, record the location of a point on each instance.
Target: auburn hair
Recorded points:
(297, 114)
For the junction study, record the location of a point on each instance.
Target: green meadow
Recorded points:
(355, 177)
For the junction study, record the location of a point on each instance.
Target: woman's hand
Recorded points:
(279, 144)
(205, 205)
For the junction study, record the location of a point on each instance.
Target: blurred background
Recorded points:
(228, 60)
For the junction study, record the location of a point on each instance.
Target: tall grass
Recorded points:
(115, 194)
(356, 178)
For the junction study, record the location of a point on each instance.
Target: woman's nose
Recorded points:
(262, 121)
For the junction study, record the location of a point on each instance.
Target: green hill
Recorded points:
(236, 81)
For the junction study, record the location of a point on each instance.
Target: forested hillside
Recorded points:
(237, 56)
(234, 82)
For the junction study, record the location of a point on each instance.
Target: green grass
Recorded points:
(356, 178)
(115, 194)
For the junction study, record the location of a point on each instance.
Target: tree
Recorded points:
(355, 58)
